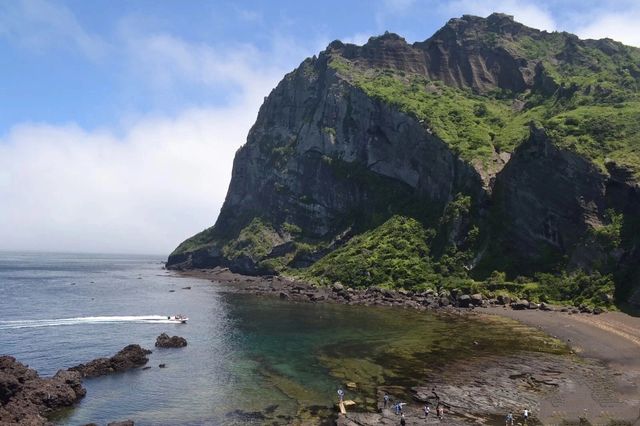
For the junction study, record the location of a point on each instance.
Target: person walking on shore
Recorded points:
(440, 411)
(509, 420)
(403, 422)
(525, 415)
(386, 399)
(340, 395)
(427, 410)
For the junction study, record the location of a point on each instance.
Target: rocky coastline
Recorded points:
(598, 382)
(300, 291)
(28, 399)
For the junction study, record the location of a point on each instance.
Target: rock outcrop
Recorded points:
(361, 133)
(164, 341)
(131, 356)
(26, 398)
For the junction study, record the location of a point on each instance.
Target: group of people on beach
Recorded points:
(398, 409)
(509, 419)
(426, 409)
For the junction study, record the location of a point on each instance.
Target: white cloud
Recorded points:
(64, 188)
(358, 38)
(42, 25)
(147, 186)
(165, 60)
(533, 15)
(622, 27)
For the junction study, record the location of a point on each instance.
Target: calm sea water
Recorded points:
(250, 360)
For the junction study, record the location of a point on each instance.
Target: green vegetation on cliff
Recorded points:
(199, 241)
(586, 93)
(254, 241)
(396, 254)
(472, 125)
(340, 180)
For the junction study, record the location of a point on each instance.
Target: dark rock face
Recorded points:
(25, 398)
(457, 56)
(164, 341)
(547, 198)
(323, 186)
(131, 356)
(122, 423)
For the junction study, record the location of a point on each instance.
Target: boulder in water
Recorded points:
(130, 356)
(164, 341)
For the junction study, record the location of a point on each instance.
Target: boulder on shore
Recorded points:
(520, 304)
(26, 398)
(464, 301)
(503, 300)
(130, 356)
(476, 299)
(164, 341)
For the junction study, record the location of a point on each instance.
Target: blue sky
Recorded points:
(119, 119)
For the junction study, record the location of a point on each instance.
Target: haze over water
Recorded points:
(249, 359)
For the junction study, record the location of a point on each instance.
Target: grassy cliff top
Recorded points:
(585, 92)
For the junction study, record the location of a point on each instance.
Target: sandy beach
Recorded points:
(611, 339)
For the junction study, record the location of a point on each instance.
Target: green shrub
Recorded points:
(395, 254)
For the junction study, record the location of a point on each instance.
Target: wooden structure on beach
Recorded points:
(342, 405)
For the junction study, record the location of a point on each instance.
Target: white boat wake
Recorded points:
(140, 319)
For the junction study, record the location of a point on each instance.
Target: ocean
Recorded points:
(249, 359)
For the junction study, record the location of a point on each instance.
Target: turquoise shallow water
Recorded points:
(250, 360)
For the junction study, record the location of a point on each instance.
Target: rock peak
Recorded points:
(499, 23)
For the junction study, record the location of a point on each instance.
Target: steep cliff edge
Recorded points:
(515, 150)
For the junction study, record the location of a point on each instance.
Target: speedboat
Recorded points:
(181, 319)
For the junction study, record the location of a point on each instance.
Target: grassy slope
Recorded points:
(396, 254)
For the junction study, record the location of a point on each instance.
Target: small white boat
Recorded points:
(181, 319)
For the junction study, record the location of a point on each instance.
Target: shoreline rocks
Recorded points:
(288, 289)
(164, 341)
(131, 356)
(26, 398)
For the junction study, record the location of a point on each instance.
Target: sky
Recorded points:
(119, 119)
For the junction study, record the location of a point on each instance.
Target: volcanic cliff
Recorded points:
(512, 154)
